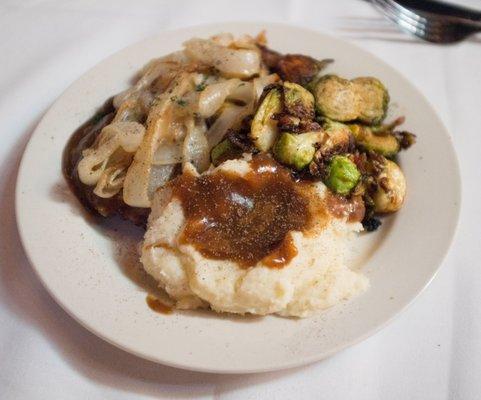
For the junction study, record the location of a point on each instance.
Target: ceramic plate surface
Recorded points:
(98, 282)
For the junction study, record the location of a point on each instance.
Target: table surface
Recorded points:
(432, 351)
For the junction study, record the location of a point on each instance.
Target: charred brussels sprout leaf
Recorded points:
(362, 99)
(296, 151)
(299, 68)
(371, 224)
(298, 101)
(405, 139)
(385, 144)
(264, 130)
(342, 175)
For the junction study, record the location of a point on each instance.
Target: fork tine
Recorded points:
(405, 11)
(429, 24)
(396, 17)
(431, 30)
(427, 27)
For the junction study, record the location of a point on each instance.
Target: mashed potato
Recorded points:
(314, 279)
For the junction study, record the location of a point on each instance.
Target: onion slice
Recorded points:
(230, 118)
(214, 95)
(118, 135)
(143, 177)
(196, 147)
(232, 63)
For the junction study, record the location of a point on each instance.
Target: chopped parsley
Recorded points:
(180, 102)
(200, 87)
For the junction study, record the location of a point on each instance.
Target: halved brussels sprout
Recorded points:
(342, 175)
(363, 99)
(298, 101)
(338, 136)
(264, 130)
(336, 98)
(391, 188)
(296, 150)
(373, 99)
(385, 144)
(223, 151)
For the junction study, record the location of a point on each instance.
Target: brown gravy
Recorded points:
(156, 305)
(244, 218)
(282, 255)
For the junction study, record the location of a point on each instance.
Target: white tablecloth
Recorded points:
(432, 351)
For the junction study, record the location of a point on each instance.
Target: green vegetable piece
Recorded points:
(373, 100)
(297, 151)
(298, 101)
(200, 87)
(223, 151)
(338, 137)
(335, 98)
(343, 175)
(264, 130)
(385, 144)
(364, 99)
(391, 188)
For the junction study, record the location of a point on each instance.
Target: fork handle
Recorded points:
(464, 14)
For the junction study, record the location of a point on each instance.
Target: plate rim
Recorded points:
(301, 360)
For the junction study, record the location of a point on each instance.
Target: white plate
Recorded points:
(83, 269)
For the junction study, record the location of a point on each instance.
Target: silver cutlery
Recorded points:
(432, 21)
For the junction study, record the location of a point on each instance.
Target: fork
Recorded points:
(425, 23)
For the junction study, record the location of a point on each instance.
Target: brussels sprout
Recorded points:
(385, 144)
(338, 137)
(373, 100)
(296, 150)
(336, 98)
(264, 130)
(223, 151)
(363, 99)
(342, 175)
(391, 188)
(298, 101)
